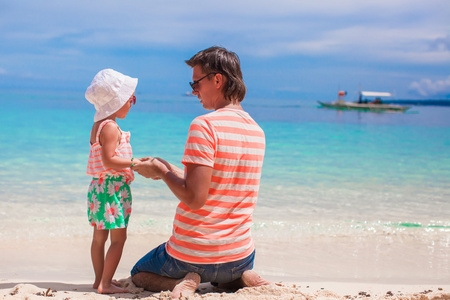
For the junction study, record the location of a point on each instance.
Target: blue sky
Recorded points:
(288, 49)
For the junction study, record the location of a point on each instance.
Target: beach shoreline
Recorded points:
(61, 268)
(279, 290)
(349, 202)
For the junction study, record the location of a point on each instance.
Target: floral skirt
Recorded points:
(109, 202)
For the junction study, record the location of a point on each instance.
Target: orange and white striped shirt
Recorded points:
(95, 167)
(233, 144)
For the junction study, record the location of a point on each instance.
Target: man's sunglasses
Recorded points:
(195, 83)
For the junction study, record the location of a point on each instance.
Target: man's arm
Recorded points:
(190, 188)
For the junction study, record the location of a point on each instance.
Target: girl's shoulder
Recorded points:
(109, 125)
(107, 128)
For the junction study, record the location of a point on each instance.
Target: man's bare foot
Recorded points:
(187, 286)
(251, 279)
(111, 289)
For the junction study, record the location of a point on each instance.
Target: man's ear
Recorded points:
(219, 80)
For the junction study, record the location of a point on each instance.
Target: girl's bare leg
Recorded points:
(99, 239)
(118, 238)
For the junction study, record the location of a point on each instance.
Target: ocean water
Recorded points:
(344, 195)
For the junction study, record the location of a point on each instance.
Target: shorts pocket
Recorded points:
(244, 265)
(174, 268)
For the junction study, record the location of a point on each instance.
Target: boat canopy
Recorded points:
(376, 94)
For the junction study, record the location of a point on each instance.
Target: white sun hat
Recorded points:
(109, 91)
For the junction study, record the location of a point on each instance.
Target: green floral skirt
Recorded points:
(109, 202)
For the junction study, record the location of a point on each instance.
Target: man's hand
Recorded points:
(150, 167)
(191, 187)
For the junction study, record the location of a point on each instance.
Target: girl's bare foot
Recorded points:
(112, 289)
(115, 282)
(251, 279)
(187, 286)
(96, 284)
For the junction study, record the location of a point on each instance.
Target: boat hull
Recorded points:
(365, 106)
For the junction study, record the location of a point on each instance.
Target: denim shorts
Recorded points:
(158, 261)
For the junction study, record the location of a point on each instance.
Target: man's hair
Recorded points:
(220, 60)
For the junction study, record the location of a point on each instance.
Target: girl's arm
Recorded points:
(109, 139)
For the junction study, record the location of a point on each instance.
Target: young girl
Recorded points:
(110, 162)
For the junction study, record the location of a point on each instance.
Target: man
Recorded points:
(211, 239)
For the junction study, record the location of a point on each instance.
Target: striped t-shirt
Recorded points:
(95, 167)
(233, 144)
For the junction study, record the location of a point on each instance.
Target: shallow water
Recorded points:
(340, 189)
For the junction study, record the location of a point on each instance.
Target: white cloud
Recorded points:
(428, 88)
(263, 27)
(378, 42)
(441, 43)
(373, 36)
(3, 71)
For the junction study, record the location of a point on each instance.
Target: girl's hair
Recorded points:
(219, 60)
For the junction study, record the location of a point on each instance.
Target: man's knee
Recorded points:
(138, 279)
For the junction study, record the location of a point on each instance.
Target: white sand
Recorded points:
(59, 290)
(61, 269)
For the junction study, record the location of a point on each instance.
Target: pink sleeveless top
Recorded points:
(95, 167)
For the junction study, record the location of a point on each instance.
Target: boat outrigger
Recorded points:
(375, 105)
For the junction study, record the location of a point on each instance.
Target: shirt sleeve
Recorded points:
(201, 144)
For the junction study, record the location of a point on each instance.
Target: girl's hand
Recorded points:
(136, 161)
(148, 167)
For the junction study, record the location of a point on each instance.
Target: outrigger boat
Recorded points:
(375, 105)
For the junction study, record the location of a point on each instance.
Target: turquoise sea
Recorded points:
(344, 195)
